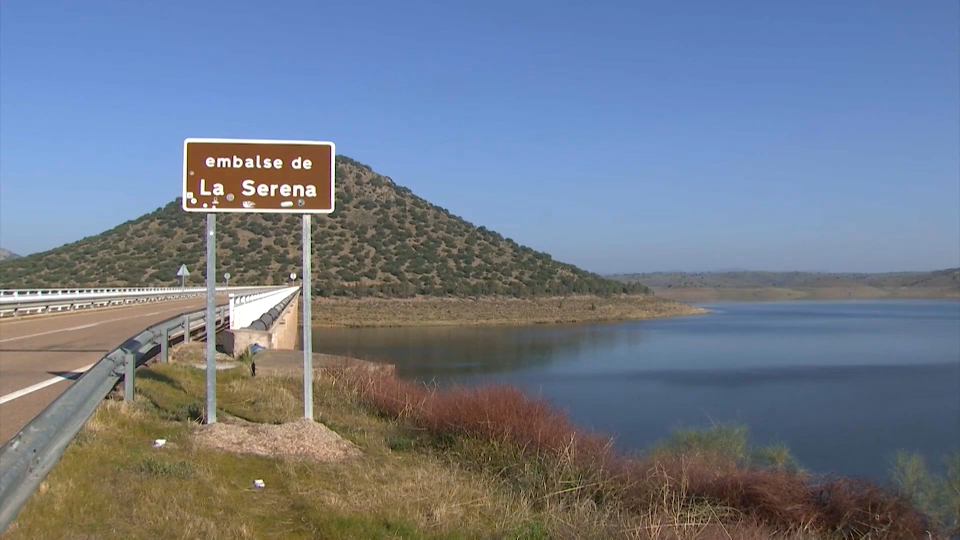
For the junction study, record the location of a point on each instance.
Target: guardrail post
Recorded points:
(186, 329)
(164, 346)
(130, 366)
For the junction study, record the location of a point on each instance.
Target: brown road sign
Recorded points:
(249, 175)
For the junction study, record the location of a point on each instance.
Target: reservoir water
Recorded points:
(843, 384)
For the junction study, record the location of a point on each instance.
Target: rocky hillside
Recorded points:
(382, 239)
(6, 254)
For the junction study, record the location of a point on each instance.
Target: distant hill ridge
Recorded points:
(937, 278)
(6, 255)
(753, 285)
(381, 240)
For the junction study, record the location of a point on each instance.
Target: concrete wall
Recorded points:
(281, 335)
(245, 309)
(285, 328)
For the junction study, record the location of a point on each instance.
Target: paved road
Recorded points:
(38, 349)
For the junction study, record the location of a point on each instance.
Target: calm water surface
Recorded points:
(843, 384)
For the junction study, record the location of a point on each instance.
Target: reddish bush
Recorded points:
(389, 396)
(499, 413)
(857, 507)
(780, 499)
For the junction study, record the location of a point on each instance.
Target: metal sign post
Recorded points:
(211, 318)
(257, 176)
(182, 273)
(307, 327)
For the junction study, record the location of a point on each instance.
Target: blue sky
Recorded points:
(616, 135)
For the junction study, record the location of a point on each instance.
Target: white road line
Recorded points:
(84, 326)
(39, 386)
(70, 329)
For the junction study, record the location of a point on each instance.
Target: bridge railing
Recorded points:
(246, 309)
(27, 458)
(68, 290)
(25, 301)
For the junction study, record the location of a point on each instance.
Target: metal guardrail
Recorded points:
(66, 290)
(32, 453)
(16, 301)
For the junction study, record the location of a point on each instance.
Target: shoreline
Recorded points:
(818, 300)
(493, 311)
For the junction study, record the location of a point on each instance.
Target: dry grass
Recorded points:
(195, 352)
(469, 463)
(301, 438)
(427, 311)
(112, 483)
(535, 448)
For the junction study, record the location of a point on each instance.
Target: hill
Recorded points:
(6, 255)
(382, 240)
(751, 285)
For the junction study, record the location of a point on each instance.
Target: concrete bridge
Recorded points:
(49, 338)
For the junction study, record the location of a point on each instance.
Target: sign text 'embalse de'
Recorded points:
(243, 175)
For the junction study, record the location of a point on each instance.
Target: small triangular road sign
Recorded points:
(183, 271)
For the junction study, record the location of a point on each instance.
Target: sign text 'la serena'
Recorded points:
(242, 175)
